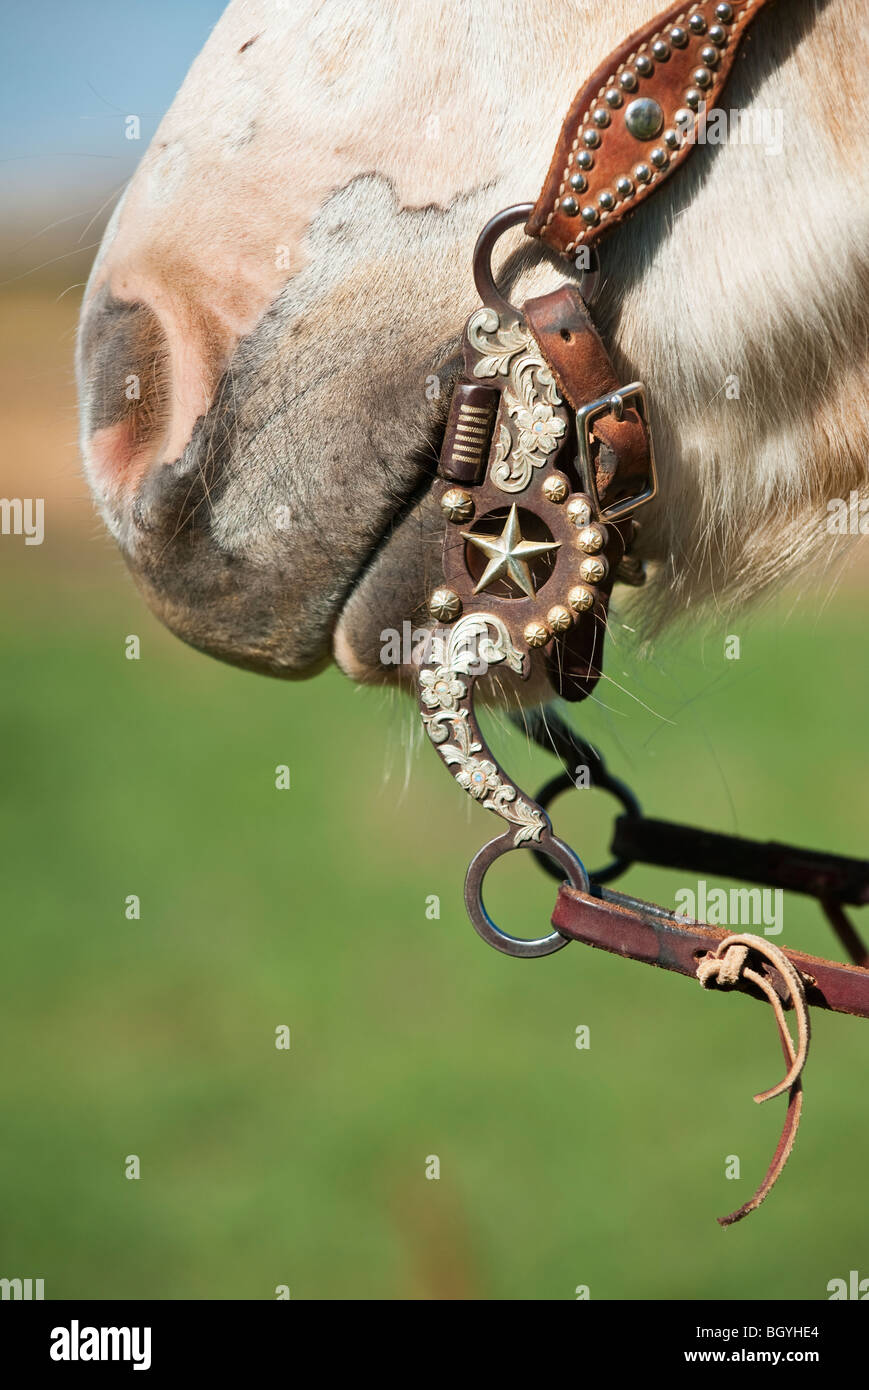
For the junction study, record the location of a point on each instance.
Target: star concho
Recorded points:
(509, 554)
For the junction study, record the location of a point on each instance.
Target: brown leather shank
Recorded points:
(558, 213)
(656, 938)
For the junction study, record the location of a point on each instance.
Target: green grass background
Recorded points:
(410, 1037)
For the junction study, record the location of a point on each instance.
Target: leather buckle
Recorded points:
(615, 402)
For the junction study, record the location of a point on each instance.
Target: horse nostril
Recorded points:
(123, 369)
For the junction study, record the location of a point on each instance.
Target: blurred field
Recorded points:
(409, 1036)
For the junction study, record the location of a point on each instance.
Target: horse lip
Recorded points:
(415, 494)
(216, 596)
(220, 602)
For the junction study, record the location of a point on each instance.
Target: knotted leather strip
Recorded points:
(725, 967)
(635, 121)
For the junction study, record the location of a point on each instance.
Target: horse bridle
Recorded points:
(545, 461)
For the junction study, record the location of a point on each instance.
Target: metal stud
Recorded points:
(661, 50)
(606, 200)
(578, 182)
(693, 98)
(591, 139)
(579, 511)
(709, 55)
(702, 77)
(559, 618)
(717, 35)
(613, 97)
(585, 159)
(593, 569)
(644, 65)
(580, 599)
(444, 604)
(590, 539)
(536, 634)
(684, 121)
(724, 13)
(569, 206)
(601, 116)
(697, 24)
(555, 488)
(671, 139)
(590, 215)
(659, 157)
(457, 504)
(644, 118)
(678, 36)
(624, 186)
(628, 81)
(642, 173)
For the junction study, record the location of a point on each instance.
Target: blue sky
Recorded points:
(75, 69)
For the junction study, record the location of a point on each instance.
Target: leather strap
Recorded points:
(583, 372)
(822, 875)
(621, 454)
(625, 132)
(647, 933)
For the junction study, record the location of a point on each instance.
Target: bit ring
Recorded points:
(483, 924)
(485, 280)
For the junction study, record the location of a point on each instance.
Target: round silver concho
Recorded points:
(644, 118)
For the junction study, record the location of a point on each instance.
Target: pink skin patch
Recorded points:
(118, 459)
(202, 322)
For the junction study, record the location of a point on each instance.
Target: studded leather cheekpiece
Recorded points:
(569, 456)
(637, 119)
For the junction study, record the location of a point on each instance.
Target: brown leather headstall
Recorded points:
(546, 459)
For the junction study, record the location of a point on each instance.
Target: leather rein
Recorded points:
(546, 458)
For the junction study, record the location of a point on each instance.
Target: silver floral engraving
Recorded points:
(470, 648)
(530, 396)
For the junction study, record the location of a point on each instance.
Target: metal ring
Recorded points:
(562, 782)
(483, 277)
(485, 280)
(480, 919)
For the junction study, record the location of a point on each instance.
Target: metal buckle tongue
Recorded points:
(615, 403)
